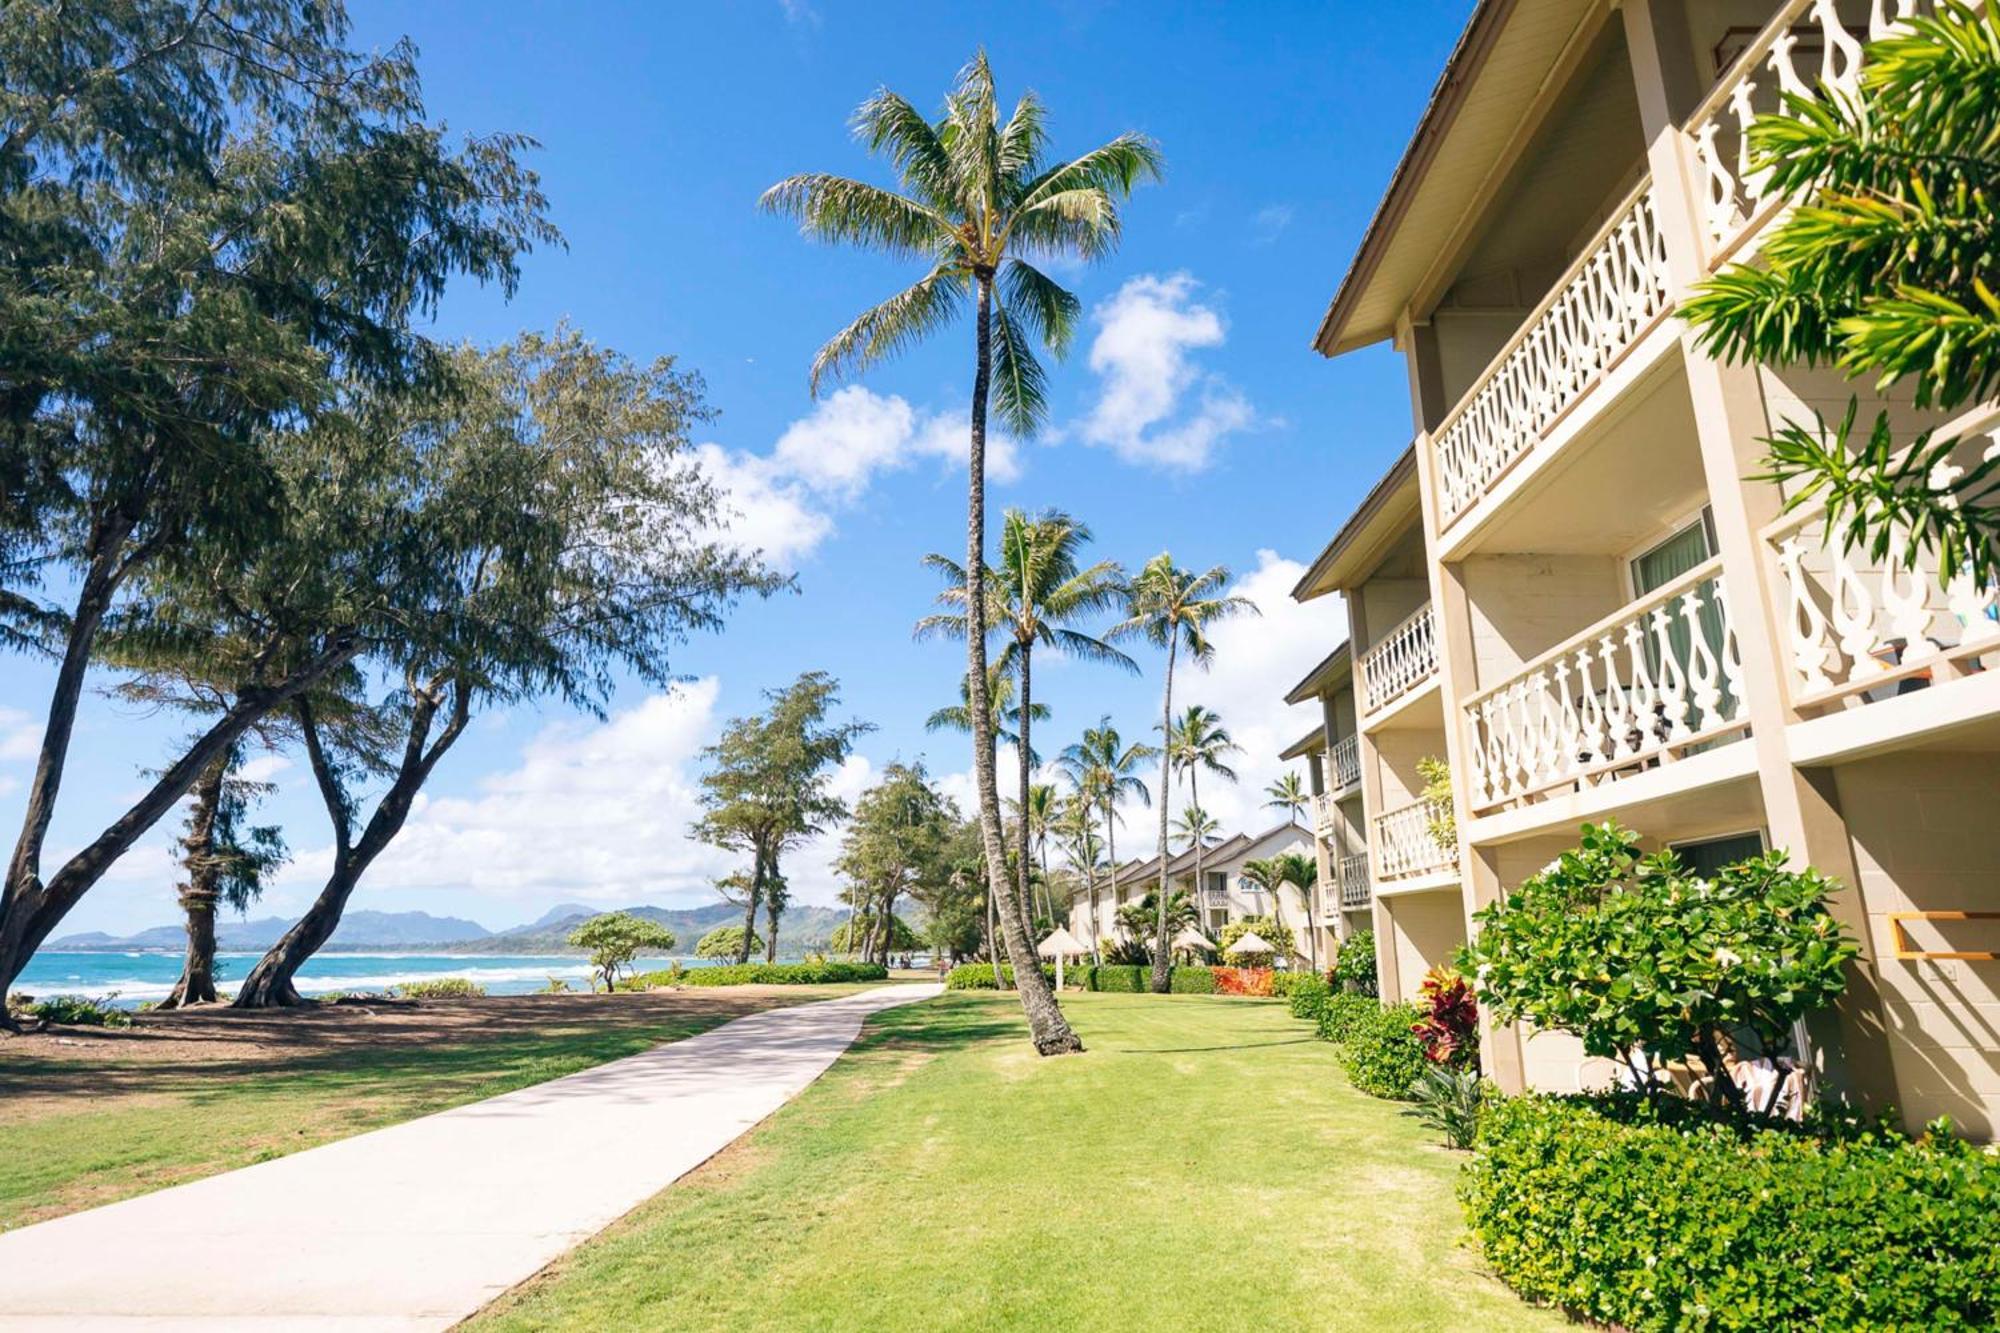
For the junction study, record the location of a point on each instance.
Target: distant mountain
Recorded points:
(363, 929)
(804, 930)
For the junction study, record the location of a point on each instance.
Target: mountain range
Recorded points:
(803, 929)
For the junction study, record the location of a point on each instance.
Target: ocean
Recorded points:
(131, 978)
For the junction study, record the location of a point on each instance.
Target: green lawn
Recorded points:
(90, 1116)
(1203, 1165)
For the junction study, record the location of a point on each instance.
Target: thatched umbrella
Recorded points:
(1251, 942)
(1060, 945)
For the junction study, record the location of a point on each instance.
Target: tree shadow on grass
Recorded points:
(1194, 1050)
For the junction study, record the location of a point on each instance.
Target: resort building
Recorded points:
(1570, 588)
(1226, 893)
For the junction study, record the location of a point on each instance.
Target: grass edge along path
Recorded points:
(79, 1132)
(1204, 1157)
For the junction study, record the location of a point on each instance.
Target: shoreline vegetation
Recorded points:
(93, 1115)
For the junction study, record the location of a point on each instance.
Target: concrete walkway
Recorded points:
(418, 1225)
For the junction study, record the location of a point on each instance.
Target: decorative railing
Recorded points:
(1353, 878)
(1405, 658)
(1323, 812)
(1614, 292)
(1737, 198)
(1855, 624)
(1343, 764)
(1643, 685)
(1405, 844)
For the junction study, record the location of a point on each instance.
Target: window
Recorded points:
(1711, 854)
(1675, 556)
(1218, 882)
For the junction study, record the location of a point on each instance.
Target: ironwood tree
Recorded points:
(896, 846)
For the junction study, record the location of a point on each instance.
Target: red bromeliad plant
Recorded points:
(1449, 1023)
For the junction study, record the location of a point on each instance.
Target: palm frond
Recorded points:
(835, 208)
(880, 333)
(1023, 139)
(1043, 306)
(1115, 168)
(888, 123)
(1019, 386)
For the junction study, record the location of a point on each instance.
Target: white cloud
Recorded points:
(784, 502)
(264, 767)
(20, 736)
(1269, 222)
(594, 813)
(1257, 660)
(1156, 406)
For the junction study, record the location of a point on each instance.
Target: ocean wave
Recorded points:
(137, 989)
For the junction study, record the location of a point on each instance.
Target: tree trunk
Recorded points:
(1161, 963)
(750, 901)
(1110, 850)
(993, 947)
(1200, 896)
(31, 908)
(198, 895)
(1048, 1028)
(1021, 846)
(772, 911)
(888, 927)
(269, 984)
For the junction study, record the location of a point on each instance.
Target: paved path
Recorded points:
(418, 1225)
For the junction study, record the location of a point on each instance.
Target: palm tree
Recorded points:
(1288, 794)
(1035, 591)
(1271, 874)
(1173, 609)
(979, 201)
(1006, 716)
(1102, 767)
(1033, 820)
(1199, 741)
(1075, 829)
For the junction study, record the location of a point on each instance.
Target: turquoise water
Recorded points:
(134, 977)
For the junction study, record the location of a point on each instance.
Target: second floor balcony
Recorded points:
(1401, 660)
(1658, 678)
(1409, 845)
(1352, 875)
(1343, 766)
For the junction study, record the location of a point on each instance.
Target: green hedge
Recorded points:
(1306, 991)
(1381, 1055)
(766, 974)
(1191, 981)
(1137, 979)
(979, 976)
(1342, 1011)
(1708, 1225)
(440, 988)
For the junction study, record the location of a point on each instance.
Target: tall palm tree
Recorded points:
(1033, 821)
(1272, 873)
(1288, 794)
(1103, 768)
(1006, 716)
(1199, 743)
(979, 201)
(1074, 827)
(1036, 590)
(1173, 608)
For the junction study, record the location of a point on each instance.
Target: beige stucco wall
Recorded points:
(1920, 822)
(1424, 930)
(1522, 605)
(1396, 755)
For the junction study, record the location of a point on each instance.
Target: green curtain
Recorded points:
(1661, 566)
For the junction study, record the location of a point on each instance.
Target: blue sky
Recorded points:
(1192, 415)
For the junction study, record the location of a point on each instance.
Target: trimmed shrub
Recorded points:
(1195, 980)
(726, 942)
(440, 988)
(1382, 1055)
(1241, 980)
(1655, 1218)
(979, 976)
(1342, 1011)
(765, 974)
(1307, 991)
(1124, 978)
(1354, 964)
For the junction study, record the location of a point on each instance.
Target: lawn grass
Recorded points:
(111, 1114)
(1203, 1165)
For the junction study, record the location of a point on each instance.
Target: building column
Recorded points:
(1800, 808)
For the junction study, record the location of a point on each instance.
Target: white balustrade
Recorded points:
(1644, 685)
(1405, 658)
(1343, 764)
(1808, 51)
(1614, 292)
(1855, 624)
(1353, 878)
(1323, 812)
(1406, 847)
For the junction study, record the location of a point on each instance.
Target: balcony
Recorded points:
(1405, 846)
(1653, 681)
(1405, 658)
(1343, 766)
(1611, 296)
(1323, 815)
(1860, 629)
(1736, 200)
(1352, 874)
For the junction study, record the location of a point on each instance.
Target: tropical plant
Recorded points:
(899, 839)
(1103, 768)
(726, 942)
(1440, 815)
(614, 939)
(1173, 609)
(768, 789)
(1354, 963)
(440, 988)
(1006, 717)
(1448, 1100)
(1195, 829)
(979, 201)
(1288, 794)
(1448, 1020)
(1136, 919)
(1884, 270)
(1283, 943)
(1648, 964)
(226, 861)
(1380, 1053)
(1199, 743)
